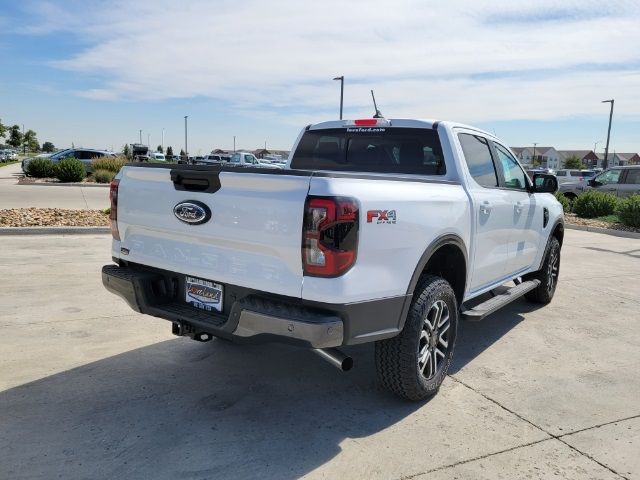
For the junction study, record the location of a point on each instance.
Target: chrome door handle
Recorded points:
(485, 208)
(518, 207)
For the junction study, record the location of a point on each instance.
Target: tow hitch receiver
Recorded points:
(183, 329)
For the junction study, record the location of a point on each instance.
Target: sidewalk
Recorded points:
(13, 195)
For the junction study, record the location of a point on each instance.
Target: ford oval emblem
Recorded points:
(192, 212)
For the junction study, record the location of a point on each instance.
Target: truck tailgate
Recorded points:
(252, 239)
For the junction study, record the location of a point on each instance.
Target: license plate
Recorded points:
(203, 294)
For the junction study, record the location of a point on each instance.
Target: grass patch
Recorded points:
(608, 219)
(8, 162)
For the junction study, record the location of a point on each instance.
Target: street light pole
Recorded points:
(163, 140)
(140, 137)
(534, 153)
(186, 148)
(149, 141)
(606, 149)
(234, 144)
(341, 78)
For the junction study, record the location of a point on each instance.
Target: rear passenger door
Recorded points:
(526, 216)
(630, 183)
(491, 212)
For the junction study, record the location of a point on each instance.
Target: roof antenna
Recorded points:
(378, 113)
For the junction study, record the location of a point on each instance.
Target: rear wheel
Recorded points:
(414, 363)
(548, 275)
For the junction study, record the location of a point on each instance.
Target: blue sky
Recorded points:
(94, 73)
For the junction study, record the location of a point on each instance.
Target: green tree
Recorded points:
(48, 147)
(15, 136)
(182, 154)
(126, 151)
(3, 129)
(30, 140)
(573, 162)
(159, 149)
(170, 150)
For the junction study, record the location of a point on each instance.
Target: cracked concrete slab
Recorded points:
(89, 388)
(616, 445)
(571, 364)
(550, 459)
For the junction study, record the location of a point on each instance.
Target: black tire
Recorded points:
(403, 363)
(548, 275)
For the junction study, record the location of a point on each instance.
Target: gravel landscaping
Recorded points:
(573, 219)
(52, 217)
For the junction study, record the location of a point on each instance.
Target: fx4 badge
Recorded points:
(381, 216)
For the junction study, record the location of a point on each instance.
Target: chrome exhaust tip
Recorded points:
(335, 357)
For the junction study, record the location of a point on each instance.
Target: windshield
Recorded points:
(375, 149)
(60, 153)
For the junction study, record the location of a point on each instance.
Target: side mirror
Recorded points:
(593, 182)
(545, 183)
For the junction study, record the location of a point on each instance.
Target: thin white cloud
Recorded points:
(470, 60)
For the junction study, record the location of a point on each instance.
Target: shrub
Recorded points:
(629, 211)
(70, 170)
(41, 168)
(593, 204)
(111, 164)
(564, 201)
(103, 176)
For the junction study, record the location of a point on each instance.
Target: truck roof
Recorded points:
(398, 122)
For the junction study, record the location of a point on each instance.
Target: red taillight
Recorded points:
(366, 122)
(329, 236)
(113, 214)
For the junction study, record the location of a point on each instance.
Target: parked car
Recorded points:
(250, 160)
(620, 181)
(378, 231)
(212, 158)
(157, 156)
(8, 154)
(85, 155)
(568, 176)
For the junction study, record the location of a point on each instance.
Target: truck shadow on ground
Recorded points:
(181, 409)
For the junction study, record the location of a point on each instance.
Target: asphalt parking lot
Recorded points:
(89, 389)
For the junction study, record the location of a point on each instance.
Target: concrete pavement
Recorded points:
(13, 195)
(90, 389)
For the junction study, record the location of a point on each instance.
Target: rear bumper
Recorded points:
(256, 316)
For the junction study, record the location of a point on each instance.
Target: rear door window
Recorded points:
(477, 154)
(633, 176)
(374, 149)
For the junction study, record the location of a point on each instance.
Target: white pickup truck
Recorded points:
(385, 231)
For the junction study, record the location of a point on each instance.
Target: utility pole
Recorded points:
(163, 140)
(534, 152)
(341, 78)
(186, 149)
(606, 149)
(234, 144)
(24, 145)
(140, 137)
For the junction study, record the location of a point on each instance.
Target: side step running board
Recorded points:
(478, 312)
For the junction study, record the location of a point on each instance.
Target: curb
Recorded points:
(54, 230)
(60, 184)
(606, 231)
